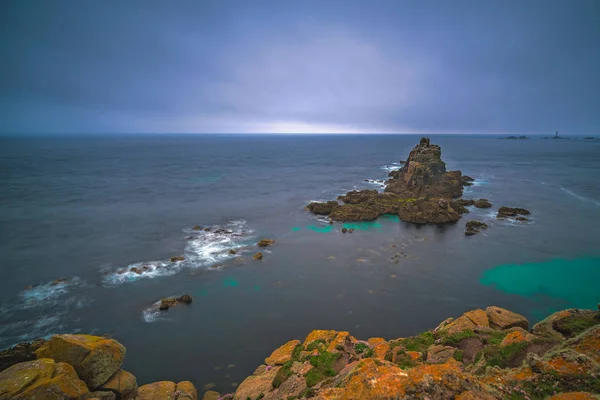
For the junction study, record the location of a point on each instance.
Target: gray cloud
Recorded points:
(267, 66)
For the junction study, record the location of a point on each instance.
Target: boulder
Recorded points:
(283, 354)
(503, 319)
(19, 353)
(163, 390)
(177, 258)
(258, 256)
(265, 242)
(42, 379)
(482, 203)
(232, 251)
(95, 359)
(211, 395)
(100, 395)
(167, 390)
(255, 385)
(197, 228)
(476, 225)
(123, 384)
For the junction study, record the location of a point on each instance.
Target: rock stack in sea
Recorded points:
(483, 354)
(76, 367)
(421, 192)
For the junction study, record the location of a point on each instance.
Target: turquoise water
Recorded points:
(574, 281)
(359, 226)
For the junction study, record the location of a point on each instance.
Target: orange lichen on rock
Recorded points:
(513, 337)
(478, 317)
(589, 343)
(341, 339)
(415, 355)
(283, 354)
(567, 363)
(501, 318)
(380, 347)
(458, 325)
(317, 334)
(94, 358)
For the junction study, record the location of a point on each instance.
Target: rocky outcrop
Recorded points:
(421, 192)
(257, 256)
(424, 174)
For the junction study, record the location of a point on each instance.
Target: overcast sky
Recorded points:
(300, 66)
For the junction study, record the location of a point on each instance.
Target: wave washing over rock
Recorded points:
(483, 354)
(206, 246)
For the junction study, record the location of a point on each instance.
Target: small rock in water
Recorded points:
(232, 251)
(344, 230)
(59, 281)
(177, 258)
(206, 229)
(350, 230)
(482, 203)
(257, 256)
(265, 242)
(197, 228)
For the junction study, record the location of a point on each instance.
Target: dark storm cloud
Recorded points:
(311, 66)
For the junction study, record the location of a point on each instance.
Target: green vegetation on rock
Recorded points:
(322, 367)
(418, 343)
(456, 338)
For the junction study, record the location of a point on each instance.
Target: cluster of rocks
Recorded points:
(483, 354)
(77, 367)
(262, 243)
(512, 212)
(420, 192)
(473, 227)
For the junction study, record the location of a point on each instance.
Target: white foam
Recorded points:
(204, 248)
(392, 167)
(152, 314)
(46, 293)
(376, 182)
(582, 198)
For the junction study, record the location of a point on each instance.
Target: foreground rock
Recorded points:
(421, 192)
(168, 390)
(95, 359)
(19, 353)
(43, 379)
(482, 354)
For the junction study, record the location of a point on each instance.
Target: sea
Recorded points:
(89, 208)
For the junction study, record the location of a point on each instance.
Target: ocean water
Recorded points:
(90, 208)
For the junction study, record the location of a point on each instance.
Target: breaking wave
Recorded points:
(206, 246)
